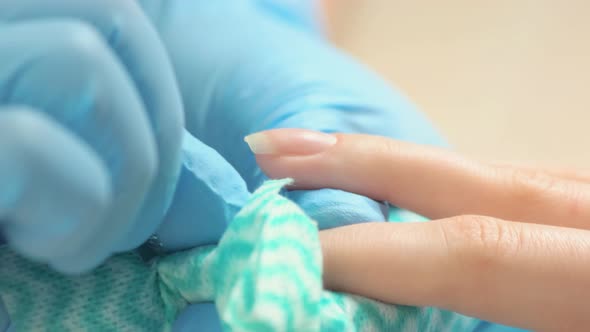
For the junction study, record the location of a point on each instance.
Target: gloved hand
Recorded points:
(246, 66)
(90, 129)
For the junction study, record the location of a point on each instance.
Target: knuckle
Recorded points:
(538, 180)
(480, 243)
(530, 187)
(576, 201)
(391, 148)
(534, 189)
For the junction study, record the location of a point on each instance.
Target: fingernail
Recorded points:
(289, 142)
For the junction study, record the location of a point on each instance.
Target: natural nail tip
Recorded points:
(259, 143)
(292, 142)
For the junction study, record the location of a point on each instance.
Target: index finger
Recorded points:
(433, 182)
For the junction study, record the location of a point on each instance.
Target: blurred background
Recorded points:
(502, 79)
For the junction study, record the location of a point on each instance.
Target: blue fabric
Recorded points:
(210, 192)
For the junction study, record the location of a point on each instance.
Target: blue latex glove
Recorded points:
(90, 128)
(246, 66)
(242, 67)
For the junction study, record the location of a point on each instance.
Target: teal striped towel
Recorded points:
(264, 275)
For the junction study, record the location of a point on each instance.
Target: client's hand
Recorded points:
(511, 244)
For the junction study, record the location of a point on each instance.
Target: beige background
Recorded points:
(504, 79)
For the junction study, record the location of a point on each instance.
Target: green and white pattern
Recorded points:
(265, 275)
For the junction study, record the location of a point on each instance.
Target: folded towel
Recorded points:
(264, 275)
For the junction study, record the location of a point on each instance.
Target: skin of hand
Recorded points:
(91, 125)
(508, 244)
